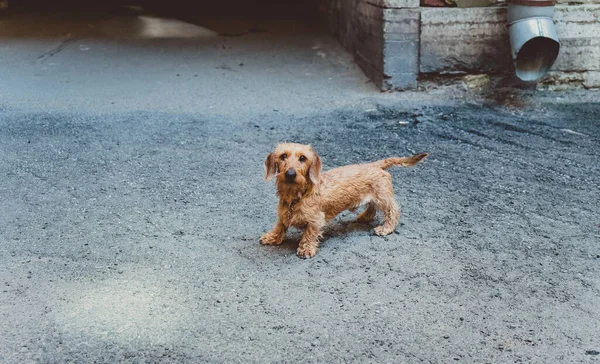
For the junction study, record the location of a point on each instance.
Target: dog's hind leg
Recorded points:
(386, 203)
(391, 213)
(369, 214)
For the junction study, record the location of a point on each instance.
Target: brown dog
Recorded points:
(307, 198)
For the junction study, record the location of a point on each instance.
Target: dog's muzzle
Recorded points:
(290, 175)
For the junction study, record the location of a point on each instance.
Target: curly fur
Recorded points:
(312, 198)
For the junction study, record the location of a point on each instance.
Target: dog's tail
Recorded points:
(401, 161)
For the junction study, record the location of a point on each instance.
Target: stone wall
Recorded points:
(395, 41)
(475, 40)
(383, 36)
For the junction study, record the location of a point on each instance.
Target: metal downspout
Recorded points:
(533, 38)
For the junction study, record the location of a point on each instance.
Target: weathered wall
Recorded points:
(467, 40)
(383, 36)
(395, 41)
(339, 15)
(476, 40)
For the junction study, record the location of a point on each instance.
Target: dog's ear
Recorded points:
(315, 169)
(270, 166)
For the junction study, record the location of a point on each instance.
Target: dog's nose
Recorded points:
(290, 175)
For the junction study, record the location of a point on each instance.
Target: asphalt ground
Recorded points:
(133, 199)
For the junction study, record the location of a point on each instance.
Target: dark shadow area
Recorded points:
(128, 18)
(338, 228)
(536, 57)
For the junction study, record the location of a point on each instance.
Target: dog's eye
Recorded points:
(302, 158)
(283, 157)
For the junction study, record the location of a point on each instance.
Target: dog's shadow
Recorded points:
(332, 230)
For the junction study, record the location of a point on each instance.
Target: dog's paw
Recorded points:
(271, 239)
(383, 230)
(306, 251)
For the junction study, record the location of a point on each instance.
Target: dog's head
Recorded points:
(295, 166)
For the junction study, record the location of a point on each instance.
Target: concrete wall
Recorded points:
(464, 40)
(383, 36)
(475, 40)
(396, 41)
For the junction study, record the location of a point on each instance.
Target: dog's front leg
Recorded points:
(309, 243)
(275, 236)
